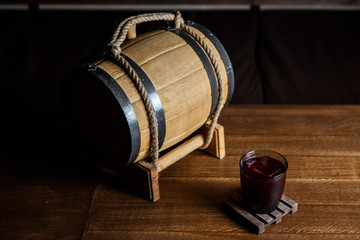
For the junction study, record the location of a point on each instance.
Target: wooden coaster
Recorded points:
(257, 222)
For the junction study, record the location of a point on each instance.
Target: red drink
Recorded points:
(263, 175)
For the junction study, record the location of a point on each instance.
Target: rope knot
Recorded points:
(178, 20)
(115, 51)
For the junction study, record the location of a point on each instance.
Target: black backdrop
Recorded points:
(282, 57)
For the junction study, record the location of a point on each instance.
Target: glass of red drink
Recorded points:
(263, 175)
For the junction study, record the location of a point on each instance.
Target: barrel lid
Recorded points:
(106, 116)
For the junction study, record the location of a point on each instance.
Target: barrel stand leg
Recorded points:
(145, 176)
(217, 144)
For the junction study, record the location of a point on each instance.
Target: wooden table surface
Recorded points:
(321, 144)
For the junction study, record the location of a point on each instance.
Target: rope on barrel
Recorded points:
(215, 64)
(115, 47)
(115, 50)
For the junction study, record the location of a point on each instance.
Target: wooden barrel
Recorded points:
(180, 81)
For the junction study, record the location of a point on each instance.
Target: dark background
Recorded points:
(285, 57)
(279, 57)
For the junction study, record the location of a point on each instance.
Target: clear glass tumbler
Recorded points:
(263, 176)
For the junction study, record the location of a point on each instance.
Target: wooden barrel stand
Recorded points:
(144, 177)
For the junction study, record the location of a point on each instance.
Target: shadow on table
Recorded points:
(41, 144)
(37, 138)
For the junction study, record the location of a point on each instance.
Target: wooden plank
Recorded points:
(139, 38)
(235, 207)
(243, 216)
(41, 225)
(296, 145)
(315, 167)
(181, 128)
(216, 54)
(294, 205)
(321, 167)
(294, 225)
(43, 201)
(217, 145)
(31, 188)
(183, 209)
(284, 209)
(290, 120)
(324, 219)
(324, 191)
(58, 195)
(291, 111)
(204, 195)
(268, 219)
(143, 179)
(180, 151)
(276, 214)
(213, 235)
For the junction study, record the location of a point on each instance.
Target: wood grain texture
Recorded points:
(180, 80)
(41, 225)
(322, 147)
(39, 201)
(292, 120)
(217, 145)
(180, 151)
(216, 235)
(323, 152)
(236, 208)
(143, 176)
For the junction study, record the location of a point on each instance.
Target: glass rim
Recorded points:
(263, 150)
